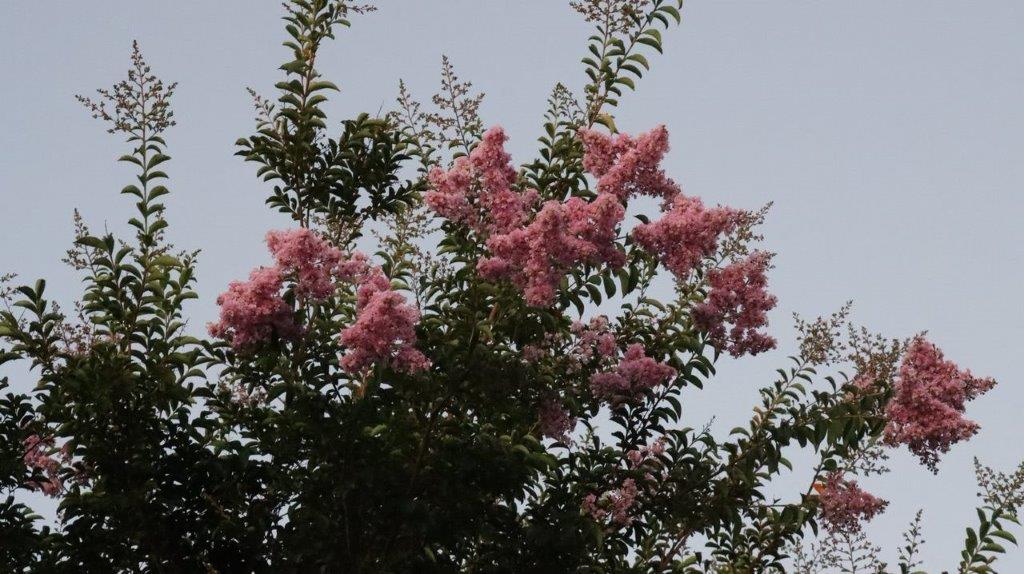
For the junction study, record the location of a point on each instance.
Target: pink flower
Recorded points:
(657, 448)
(591, 508)
(555, 421)
(635, 373)
(478, 190)
(385, 326)
(646, 454)
(737, 306)
(926, 410)
(593, 340)
(686, 234)
(844, 506)
(863, 381)
(449, 194)
(37, 457)
(533, 353)
(384, 330)
(596, 224)
(626, 166)
(253, 311)
(610, 385)
(617, 503)
(311, 260)
(623, 500)
(532, 249)
(563, 235)
(635, 457)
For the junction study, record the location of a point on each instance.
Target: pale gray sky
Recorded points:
(888, 134)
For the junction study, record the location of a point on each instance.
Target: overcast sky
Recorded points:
(888, 134)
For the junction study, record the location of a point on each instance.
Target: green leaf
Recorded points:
(672, 11)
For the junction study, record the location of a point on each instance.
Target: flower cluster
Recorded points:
(737, 306)
(646, 454)
(926, 410)
(384, 330)
(555, 421)
(844, 506)
(477, 191)
(385, 327)
(590, 345)
(618, 504)
(533, 250)
(635, 373)
(253, 311)
(686, 234)
(535, 254)
(535, 257)
(241, 396)
(309, 259)
(37, 457)
(627, 166)
(593, 340)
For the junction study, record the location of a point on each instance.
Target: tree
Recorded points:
(458, 401)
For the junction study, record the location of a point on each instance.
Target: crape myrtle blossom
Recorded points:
(646, 454)
(928, 403)
(635, 373)
(308, 258)
(591, 344)
(37, 457)
(844, 505)
(535, 254)
(593, 340)
(563, 235)
(555, 422)
(626, 166)
(254, 311)
(617, 504)
(532, 249)
(737, 306)
(686, 234)
(384, 331)
(477, 191)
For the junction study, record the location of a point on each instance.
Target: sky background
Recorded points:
(888, 134)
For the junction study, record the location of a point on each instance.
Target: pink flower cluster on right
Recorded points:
(534, 254)
(844, 505)
(927, 407)
(737, 306)
(688, 233)
(593, 340)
